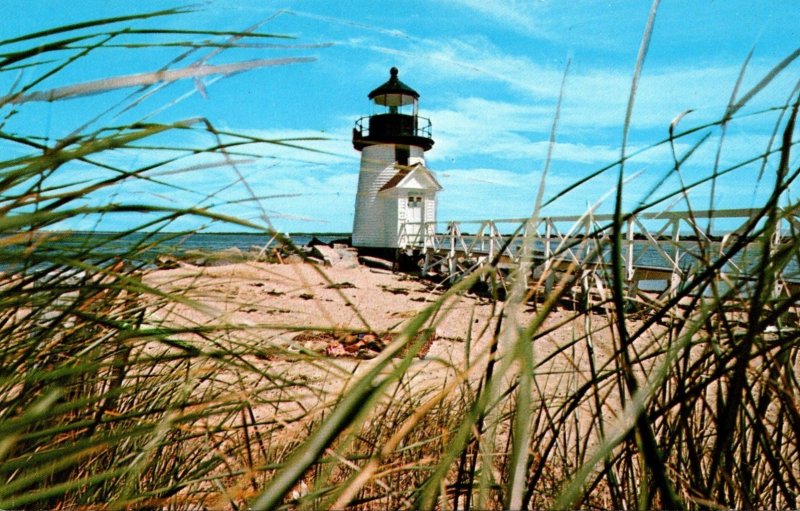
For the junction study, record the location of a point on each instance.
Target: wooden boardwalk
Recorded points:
(661, 250)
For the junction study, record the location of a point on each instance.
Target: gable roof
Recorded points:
(404, 173)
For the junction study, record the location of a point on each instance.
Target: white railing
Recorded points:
(656, 246)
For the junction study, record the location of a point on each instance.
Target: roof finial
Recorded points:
(393, 72)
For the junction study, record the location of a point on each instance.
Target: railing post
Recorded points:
(549, 278)
(426, 265)
(629, 253)
(401, 235)
(774, 245)
(491, 241)
(526, 259)
(675, 278)
(587, 229)
(451, 259)
(585, 263)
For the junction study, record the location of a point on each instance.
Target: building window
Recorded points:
(401, 154)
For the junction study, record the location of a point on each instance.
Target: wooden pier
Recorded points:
(661, 250)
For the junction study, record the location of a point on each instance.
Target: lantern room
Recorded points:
(395, 118)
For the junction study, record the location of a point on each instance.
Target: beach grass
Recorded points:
(113, 394)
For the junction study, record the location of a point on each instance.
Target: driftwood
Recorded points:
(376, 262)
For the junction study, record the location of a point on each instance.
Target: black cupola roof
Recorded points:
(394, 92)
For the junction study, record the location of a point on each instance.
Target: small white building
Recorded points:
(396, 197)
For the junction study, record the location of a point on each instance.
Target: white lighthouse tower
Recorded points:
(396, 198)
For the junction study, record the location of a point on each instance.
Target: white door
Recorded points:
(414, 219)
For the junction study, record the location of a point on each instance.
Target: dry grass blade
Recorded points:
(107, 84)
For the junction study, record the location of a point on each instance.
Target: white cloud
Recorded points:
(507, 131)
(583, 23)
(516, 14)
(596, 96)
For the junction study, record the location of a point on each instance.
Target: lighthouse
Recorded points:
(396, 197)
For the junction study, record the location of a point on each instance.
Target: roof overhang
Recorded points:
(412, 177)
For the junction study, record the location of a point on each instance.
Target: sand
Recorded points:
(281, 305)
(293, 313)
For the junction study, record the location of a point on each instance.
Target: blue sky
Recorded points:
(489, 74)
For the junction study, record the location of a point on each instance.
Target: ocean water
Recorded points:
(691, 255)
(97, 246)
